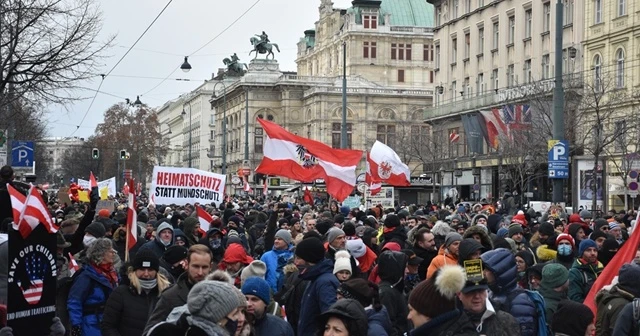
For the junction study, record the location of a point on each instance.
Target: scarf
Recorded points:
(108, 271)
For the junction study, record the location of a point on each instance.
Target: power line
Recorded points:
(93, 100)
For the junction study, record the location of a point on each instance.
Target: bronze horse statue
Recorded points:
(236, 67)
(261, 47)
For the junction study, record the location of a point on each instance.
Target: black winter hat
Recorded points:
(310, 250)
(338, 219)
(467, 247)
(354, 314)
(96, 229)
(349, 229)
(571, 318)
(628, 278)
(174, 254)
(358, 289)
(146, 259)
(392, 221)
(546, 229)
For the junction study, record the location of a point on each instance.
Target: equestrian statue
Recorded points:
(262, 45)
(234, 67)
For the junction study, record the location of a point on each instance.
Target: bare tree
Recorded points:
(47, 48)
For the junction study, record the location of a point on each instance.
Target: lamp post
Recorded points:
(528, 163)
(558, 99)
(343, 134)
(183, 114)
(476, 180)
(137, 104)
(457, 173)
(500, 175)
(224, 126)
(441, 182)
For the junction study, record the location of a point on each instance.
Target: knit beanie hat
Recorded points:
(258, 287)
(333, 234)
(256, 268)
(451, 237)
(585, 214)
(519, 219)
(357, 289)
(349, 228)
(598, 223)
(628, 278)
(284, 235)
(598, 234)
(571, 318)
(96, 229)
(440, 289)
(502, 232)
(515, 228)
(567, 237)
(546, 229)
(584, 245)
(342, 262)
(391, 221)
(213, 300)
(528, 258)
(174, 254)
(338, 219)
(310, 250)
(146, 259)
(554, 275)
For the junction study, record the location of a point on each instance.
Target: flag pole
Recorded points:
(127, 230)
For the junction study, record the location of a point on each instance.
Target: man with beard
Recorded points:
(256, 290)
(198, 267)
(425, 248)
(585, 270)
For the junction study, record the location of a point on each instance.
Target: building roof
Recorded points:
(417, 13)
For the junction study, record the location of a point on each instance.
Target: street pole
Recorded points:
(343, 136)
(189, 134)
(246, 125)
(558, 100)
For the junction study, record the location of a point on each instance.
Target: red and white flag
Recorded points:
(73, 265)
(204, 218)
(496, 128)
(247, 187)
(385, 166)
(374, 185)
(454, 136)
(34, 211)
(265, 188)
(132, 220)
(302, 159)
(17, 203)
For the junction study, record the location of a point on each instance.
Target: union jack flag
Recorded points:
(516, 117)
(36, 267)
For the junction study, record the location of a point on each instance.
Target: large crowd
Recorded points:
(266, 267)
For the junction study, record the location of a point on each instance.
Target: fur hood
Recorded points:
(484, 236)
(534, 242)
(474, 220)
(544, 253)
(290, 268)
(441, 229)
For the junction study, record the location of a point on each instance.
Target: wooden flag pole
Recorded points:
(127, 228)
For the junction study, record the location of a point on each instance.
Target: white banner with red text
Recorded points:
(180, 186)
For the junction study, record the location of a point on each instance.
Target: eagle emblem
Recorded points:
(306, 159)
(384, 170)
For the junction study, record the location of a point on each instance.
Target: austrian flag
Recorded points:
(305, 160)
(385, 166)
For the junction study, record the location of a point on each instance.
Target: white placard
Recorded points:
(180, 186)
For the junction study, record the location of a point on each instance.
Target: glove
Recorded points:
(6, 331)
(57, 329)
(76, 331)
(94, 197)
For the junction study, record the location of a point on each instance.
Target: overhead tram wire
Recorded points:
(206, 44)
(103, 76)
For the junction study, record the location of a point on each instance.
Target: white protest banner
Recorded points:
(109, 184)
(174, 185)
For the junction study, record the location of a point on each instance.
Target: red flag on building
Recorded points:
(298, 158)
(454, 136)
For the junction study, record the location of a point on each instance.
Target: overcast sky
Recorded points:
(182, 29)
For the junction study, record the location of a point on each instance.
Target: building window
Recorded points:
(420, 134)
(394, 51)
(407, 52)
(494, 79)
(597, 11)
(527, 23)
(568, 12)
(546, 17)
(454, 88)
(336, 132)
(369, 49)
(512, 29)
(480, 40)
(620, 68)
(480, 89)
(510, 75)
(430, 76)
(454, 50)
(387, 135)
(370, 21)
(401, 51)
(427, 53)
(258, 140)
(467, 45)
(400, 76)
(466, 88)
(597, 73)
(437, 59)
(527, 71)
(619, 132)
(496, 35)
(545, 66)
(211, 135)
(622, 7)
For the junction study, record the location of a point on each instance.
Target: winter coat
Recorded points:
(318, 297)
(126, 312)
(551, 301)
(486, 241)
(504, 294)
(497, 323)
(294, 297)
(453, 323)
(184, 327)
(625, 325)
(443, 258)
(610, 303)
(392, 265)
(398, 235)
(331, 255)
(272, 326)
(87, 298)
(379, 322)
(173, 297)
(156, 246)
(76, 238)
(275, 261)
(581, 278)
(427, 256)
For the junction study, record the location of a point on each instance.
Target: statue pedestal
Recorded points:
(263, 70)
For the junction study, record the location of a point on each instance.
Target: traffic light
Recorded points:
(95, 153)
(123, 154)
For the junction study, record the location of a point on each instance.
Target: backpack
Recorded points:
(636, 316)
(538, 302)
(64, 288)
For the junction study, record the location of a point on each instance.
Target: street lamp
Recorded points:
(457, 173)
(476, 173)
(441, 181)
(183, 114)
(186, 67)
(224, 126)
(528, 164)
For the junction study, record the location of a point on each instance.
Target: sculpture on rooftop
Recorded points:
(262, 45)
(234, 67)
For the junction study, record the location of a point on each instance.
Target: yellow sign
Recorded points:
(474, 270)
(274, 181)
(83, 195)
(551, 144)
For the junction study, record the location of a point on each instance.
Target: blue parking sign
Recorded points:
(558, 159)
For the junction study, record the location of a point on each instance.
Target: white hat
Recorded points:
(343, 262)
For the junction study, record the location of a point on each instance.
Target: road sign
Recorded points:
(22, 154)
(558, 159)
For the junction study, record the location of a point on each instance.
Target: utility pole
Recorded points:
(343, 137)
(558, 100)
(246, 125)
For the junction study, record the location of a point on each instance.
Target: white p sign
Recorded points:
(558, 151)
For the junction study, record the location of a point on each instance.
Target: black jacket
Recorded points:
(76, 239)
(426, 256)
(452, 323)
(126, 312)
(171, 298)
(391, 267)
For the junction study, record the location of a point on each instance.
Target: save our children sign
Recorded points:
(173, 185)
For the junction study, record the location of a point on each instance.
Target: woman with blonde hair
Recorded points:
(130, 305)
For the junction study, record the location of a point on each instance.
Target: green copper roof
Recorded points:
(417, 13)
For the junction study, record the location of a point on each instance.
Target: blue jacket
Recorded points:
(318, 297)
(379, 322)
(275, 261)
(502, 263)
(273, 326)
(89, 290)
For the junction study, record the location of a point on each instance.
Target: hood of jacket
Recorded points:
(315, 271)
(391, 266)
(616, 292)
(544, 253)
(486, 241)
(164, 226)
(493, 223)
(441, 229)
(380, 317)
(502, 263)
(352, 310)
(189, 226)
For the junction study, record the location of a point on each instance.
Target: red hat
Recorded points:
(519, 218)
(567, 237)
(104, 213)
(575, 218)
(236, 253)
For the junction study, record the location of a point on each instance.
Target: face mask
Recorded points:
(564, 250)
(148, 284)
(231, 326)
(176, 271)
(215, 243)
(87, 240)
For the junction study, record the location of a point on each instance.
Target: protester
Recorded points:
(585, 270)
(164, 239)
(345, 318)
(573, 319)
(447, 255)
(277, 258)
(553, 288)
(366, 293)
(424, 248)
(610, 302)
(392, 268)
(256, 291)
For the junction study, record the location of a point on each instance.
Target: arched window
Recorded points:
(597, 73)
(620, 68)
